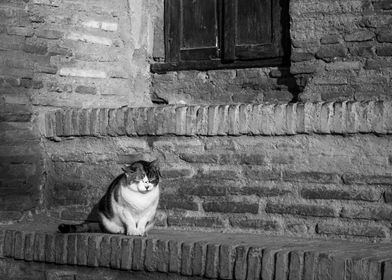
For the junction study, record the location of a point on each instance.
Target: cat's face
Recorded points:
(142, 176)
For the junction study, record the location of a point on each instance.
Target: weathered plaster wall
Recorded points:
(63, 54)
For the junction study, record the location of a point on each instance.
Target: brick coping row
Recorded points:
(346, 117)
(216, 258)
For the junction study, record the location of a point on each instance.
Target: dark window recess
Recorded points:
(214, 34)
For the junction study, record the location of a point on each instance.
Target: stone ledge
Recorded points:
(208, 255)
(218, 120)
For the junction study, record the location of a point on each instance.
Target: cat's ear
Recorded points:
(154, 164)
(128, 169)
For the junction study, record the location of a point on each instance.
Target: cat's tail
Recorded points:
(84, 227)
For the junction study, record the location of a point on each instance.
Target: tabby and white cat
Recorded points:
(130, 203)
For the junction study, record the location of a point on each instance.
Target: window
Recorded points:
(213, 34)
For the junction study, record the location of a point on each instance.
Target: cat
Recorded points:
(130, 203)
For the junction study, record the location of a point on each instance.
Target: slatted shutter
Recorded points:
(192, 30)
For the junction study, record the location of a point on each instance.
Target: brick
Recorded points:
(67, 123)
(301, 209)
(387, 269)
(199, 258)
(50, 252)
(175, 256)
(231, 207)
(384, 51)
(257, 174)
(171, 202)
(242, 158)
(262, 224)
(202, 121)
(40, 48)
(330, 267)
(105, 252)
(109, 26)
(338, 120)
(47, 69)
(291, 116)
(309, 265)
(330, 39)
(20, 31)
(82, 249)
(298, 56)
(18, 245)
(226, 261)
(181, 120)
(296, 265)
(254, 263)
(241, 262)
(162, 255)
(331, 51)
(282, 265)
(384, 36)
(359, 36)
(305, 67)
(86, 90)
(71, 249)
(186, 259)
(351, 229)
(212, 261)
(60, 247)
(93, 243)
(87, 38)
(261, 191)
(245, 111)
(151, 260)
(351, 179)
(213, 120)
(233, 119)
(126, 253)
(49, 34)
(323, 193)
(311, 177)
(199, 158)
(151, 120)
(29, 246)
(2, 239)
(84, 73)
(94, 122)
(129, 122)
(177, 173)
(268, 264)
(369, 213)
(139, 245)
(103, 121)
(213, 222)
(84, 122)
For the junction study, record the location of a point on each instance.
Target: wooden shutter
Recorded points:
(192, 30)
(252, 29)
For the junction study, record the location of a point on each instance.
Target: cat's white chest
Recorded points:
(140, 202)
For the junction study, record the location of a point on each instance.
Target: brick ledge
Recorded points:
(210, 255)
(218, 120)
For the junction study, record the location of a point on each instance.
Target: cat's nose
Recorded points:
(147, 187)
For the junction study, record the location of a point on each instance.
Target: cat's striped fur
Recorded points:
(129, 205)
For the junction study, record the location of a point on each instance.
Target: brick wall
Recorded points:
(340, 50)
(78, 54)
(281, 170)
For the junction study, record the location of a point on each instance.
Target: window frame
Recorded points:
(227, 10)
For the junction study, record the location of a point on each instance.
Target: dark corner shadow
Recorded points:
(287, 79)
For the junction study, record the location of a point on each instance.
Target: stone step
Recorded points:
(210, 255)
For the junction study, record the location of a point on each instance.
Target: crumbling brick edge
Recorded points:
(347, 117)
(199, 258)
